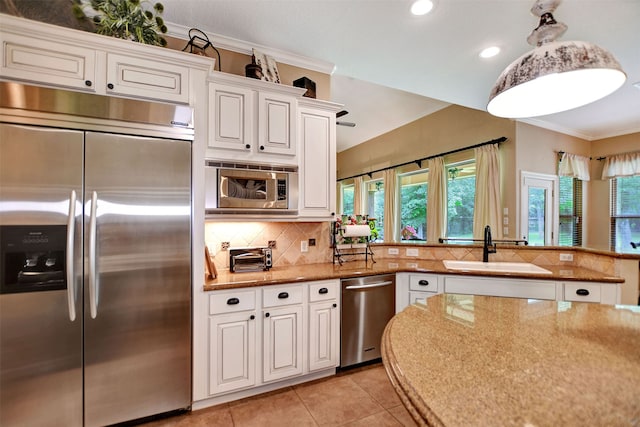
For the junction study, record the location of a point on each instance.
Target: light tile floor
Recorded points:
(357, 397)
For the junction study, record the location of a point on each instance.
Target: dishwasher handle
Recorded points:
(371, 285)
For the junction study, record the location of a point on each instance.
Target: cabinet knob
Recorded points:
(423, 282)
(247, 146)
(333, 214)
(323, 291)
(283, 295)
(88, 83)
(233, 301)
(582, 292)
(110, 85)
(262, 148)
(267, 315)
(252, 317)
(334, 305)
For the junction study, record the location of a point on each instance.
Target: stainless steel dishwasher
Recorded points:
(368, 303)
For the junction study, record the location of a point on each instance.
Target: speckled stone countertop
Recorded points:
(309, 272)
(487, 361)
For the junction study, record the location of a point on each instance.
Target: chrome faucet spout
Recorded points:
(488, 247)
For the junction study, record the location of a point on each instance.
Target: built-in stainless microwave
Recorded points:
(248, 188)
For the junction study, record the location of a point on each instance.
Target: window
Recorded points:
(413, 205)
(625, 213)
(347, 199)
(461, 192)
(375, 204)
(570, 201)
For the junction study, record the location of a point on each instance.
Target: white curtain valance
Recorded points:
(574, 166)
(619, 165)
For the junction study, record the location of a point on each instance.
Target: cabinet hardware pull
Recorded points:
(110, 85)
(247, 146)
(252, 317)
(323, 291)
(233, 301)
(583, 292)
(267, 315)
(262, 148)
(283, 295)
(334, 305)
(423, 282)
(88, 83)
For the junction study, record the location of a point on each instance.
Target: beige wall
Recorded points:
(448, 129)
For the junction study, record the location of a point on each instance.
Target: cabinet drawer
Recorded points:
(230, 302)
(323, 291)
(587, 292)
(274, 296)
(423, 282)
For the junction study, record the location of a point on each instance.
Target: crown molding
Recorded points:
(239, 46)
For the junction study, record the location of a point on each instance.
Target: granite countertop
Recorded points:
(475, 360)
(309, 272)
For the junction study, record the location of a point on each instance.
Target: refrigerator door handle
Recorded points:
(93, 244)
(71, 289)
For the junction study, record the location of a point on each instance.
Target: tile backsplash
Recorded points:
(287, 236)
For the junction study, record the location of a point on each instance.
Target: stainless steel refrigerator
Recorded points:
(95, 258)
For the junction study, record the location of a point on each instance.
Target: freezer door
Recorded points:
(138, 280)
(40, 274)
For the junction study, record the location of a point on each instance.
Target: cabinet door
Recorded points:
(230, 117)
(276, 123)
(323, 335)
(515, 288)
(47, 62)
(318, 164)
(127, 75)
(232, 352)
(282, 355)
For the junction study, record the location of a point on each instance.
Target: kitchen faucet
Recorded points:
(488, 247)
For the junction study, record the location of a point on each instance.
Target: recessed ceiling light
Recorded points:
(490, 52)
(421, 7)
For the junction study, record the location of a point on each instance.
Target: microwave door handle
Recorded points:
(93, 279)
(71, 289)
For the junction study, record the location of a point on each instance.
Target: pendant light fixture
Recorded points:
(555, 76)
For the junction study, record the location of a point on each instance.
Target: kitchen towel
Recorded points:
(356, 231)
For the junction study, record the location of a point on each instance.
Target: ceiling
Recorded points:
(392, 67)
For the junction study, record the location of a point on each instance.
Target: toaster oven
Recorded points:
(249, 259)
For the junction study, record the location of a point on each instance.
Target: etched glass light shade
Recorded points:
(555, 76)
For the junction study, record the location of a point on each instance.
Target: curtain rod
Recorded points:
(419, 161)
(560, 153)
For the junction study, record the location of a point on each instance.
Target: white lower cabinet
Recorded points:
(232, 340)
(324, 326)
(263, 336)
(492, 286)
(282, 334)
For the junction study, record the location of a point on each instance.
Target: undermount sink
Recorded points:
(499, 267)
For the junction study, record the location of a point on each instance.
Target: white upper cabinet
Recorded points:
(252, 121)
(61, 57)
(131, 75)
(317, 160)
(52, 63)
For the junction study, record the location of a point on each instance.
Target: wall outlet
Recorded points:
(272, 244)
(412, 251)
(304, 246)
(566, 257)
(224, 246)
(312, 242)
(393, 251)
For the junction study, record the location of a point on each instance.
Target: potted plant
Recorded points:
(136, 20)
